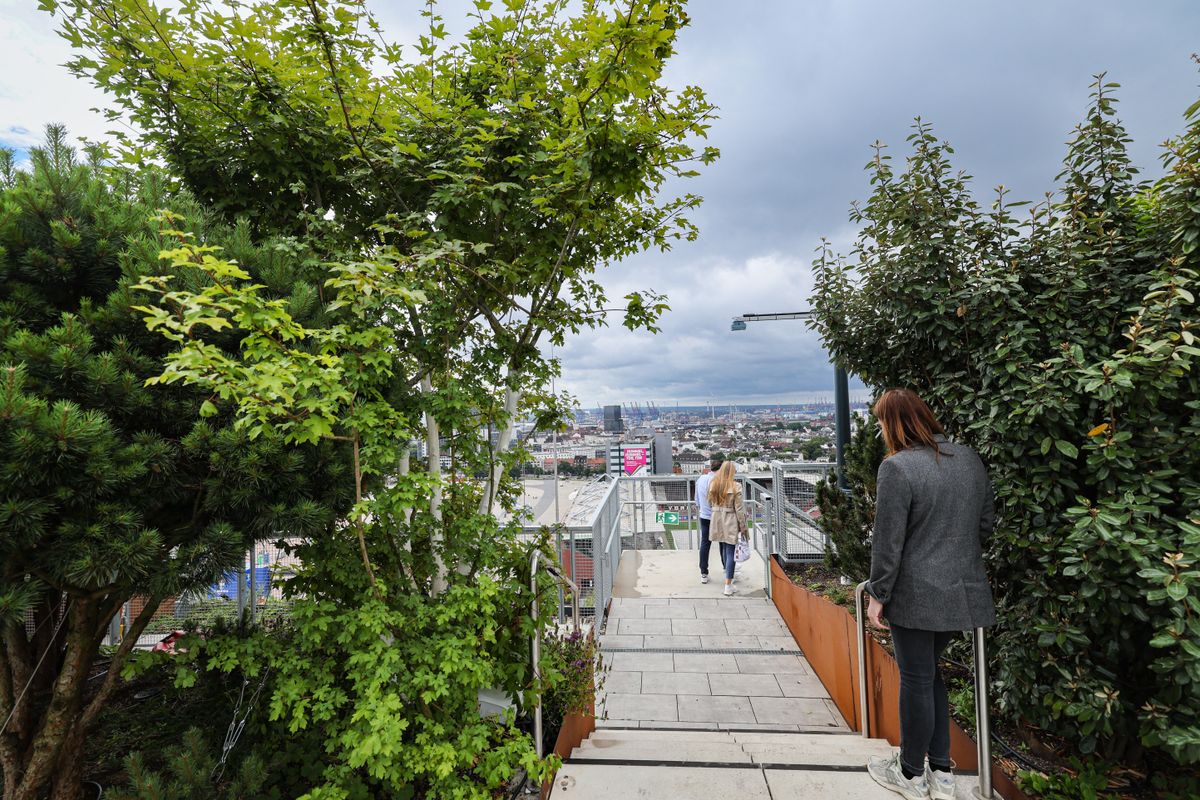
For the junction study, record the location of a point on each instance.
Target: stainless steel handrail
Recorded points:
(537, 639)
(983, 728)
(860, 614)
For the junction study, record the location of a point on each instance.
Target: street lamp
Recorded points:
(841, 389)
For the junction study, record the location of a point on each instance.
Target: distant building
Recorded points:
(691, 462)
(612, 420)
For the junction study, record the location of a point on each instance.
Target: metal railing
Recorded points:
(983, 729)
(536, 644)
(799, 539)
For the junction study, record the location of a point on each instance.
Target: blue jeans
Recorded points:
(727, 559)
(705, 545)
(924, 707)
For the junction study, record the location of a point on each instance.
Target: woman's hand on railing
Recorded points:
(875, 613)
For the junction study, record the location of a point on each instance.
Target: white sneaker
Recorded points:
(704, 579)
(941, 784)
(888, 774)
(729, 589)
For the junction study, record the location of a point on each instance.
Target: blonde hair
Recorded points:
(722, 484)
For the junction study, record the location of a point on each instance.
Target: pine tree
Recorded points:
(110, 489)
(848, 519)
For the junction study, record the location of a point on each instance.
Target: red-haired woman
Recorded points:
(934, 509)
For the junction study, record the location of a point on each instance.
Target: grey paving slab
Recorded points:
(725, 611)
(745, 685)
(668, 748)
(776, 663)
(615, 640)
(690, 727)
(626, 612)
(642, 662)
(604, 782)
(615, 724)
(715, 709)
(643, 626)
(729, 642)
(675, 683)
(695, 602)
(759, 727)
(810, 750)
(673, 642)
(757, 627)
(835, 713)
(782, 643)
(670, 612)
(762, 610)
(705, 662)
(636, 602)
(795, 684)
(792, 711)
(825, 784)
(698, 627)
(660, 707)
(623, 682)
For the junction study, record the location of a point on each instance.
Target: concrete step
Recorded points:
(750, 782)
(666, 750)
(690, 747)
(652, 736)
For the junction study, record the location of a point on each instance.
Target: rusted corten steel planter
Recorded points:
(827, 634)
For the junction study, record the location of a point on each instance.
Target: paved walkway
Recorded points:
(716, 686)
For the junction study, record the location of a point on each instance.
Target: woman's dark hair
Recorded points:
(906, 421)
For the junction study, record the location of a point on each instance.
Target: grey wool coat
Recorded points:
(932, 516)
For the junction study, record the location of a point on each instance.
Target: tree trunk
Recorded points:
(68, 775)
(65, 704)
(511, 398)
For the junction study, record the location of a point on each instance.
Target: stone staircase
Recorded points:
(709, 697)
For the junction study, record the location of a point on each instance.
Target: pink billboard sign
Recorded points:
(635, 459)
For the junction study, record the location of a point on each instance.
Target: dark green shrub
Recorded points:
(848, 519)
(189, 775)
(1083, 782)
(1062, 345)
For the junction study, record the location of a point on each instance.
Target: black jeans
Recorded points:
(924, 707)
(705, 545)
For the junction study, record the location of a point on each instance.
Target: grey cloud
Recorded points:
(804, 88)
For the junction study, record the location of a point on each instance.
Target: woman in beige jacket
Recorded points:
(728, 518)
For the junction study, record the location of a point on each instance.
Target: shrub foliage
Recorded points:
(109, 489)
(1058, 338)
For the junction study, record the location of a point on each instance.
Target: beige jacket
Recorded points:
(729, 518)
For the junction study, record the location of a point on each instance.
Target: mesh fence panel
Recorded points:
(797, 535)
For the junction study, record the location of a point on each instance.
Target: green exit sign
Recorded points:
(667, 517)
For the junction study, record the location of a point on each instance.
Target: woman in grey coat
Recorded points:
(934, 509)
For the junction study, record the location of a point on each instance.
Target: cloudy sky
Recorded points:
(804, 87)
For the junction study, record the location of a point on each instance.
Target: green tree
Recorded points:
(463, 195)
(1062, 345)
(816, 448)
(110, 489)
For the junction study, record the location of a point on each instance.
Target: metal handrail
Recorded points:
(537, 638)
(983, 728)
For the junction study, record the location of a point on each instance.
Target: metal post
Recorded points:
(860, 608)
(983, 728)
(841, 400)
(253, 579)
(241, 588)
(558, 545)
(537, 655)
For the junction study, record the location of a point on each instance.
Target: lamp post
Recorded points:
(841, 390)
